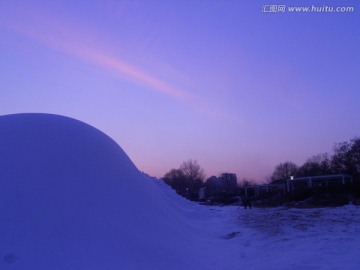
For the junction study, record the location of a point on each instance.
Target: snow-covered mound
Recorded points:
(70, 198)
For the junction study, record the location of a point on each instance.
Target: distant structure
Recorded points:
(292, 185)
(202, 193)
(229, 182)
(213, 186)
(310, 182)
(225, 184)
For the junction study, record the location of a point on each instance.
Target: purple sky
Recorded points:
(221, 82)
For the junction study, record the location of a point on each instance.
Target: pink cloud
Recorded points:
(58, 36)
(135, 74)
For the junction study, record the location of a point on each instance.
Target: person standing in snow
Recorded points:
(246, 202)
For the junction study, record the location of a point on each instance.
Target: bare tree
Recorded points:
(316, 165)
(192, 170)
(346, 158)
(187, 180)
(246, 182)
(176, 179)
(284, 171)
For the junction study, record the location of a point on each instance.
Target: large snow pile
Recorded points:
(70, 198)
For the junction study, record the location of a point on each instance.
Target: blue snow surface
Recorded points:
(70, 198)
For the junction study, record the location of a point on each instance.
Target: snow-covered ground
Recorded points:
(285, 238)
(70, 198)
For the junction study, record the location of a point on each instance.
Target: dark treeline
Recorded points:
(345, 159)
(186, 180)
(189, 178)
(344, 162)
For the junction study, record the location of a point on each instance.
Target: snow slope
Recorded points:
(70, 198)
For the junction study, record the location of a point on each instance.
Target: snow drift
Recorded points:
(70, 198)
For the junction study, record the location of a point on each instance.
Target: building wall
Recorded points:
(230, 182)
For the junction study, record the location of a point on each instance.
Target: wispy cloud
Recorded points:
(135, 74)
(61, 37)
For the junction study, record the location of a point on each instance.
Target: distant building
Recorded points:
(229, 181)
(258, 190)
(225, 184)
(213, 186)
(299, 184)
